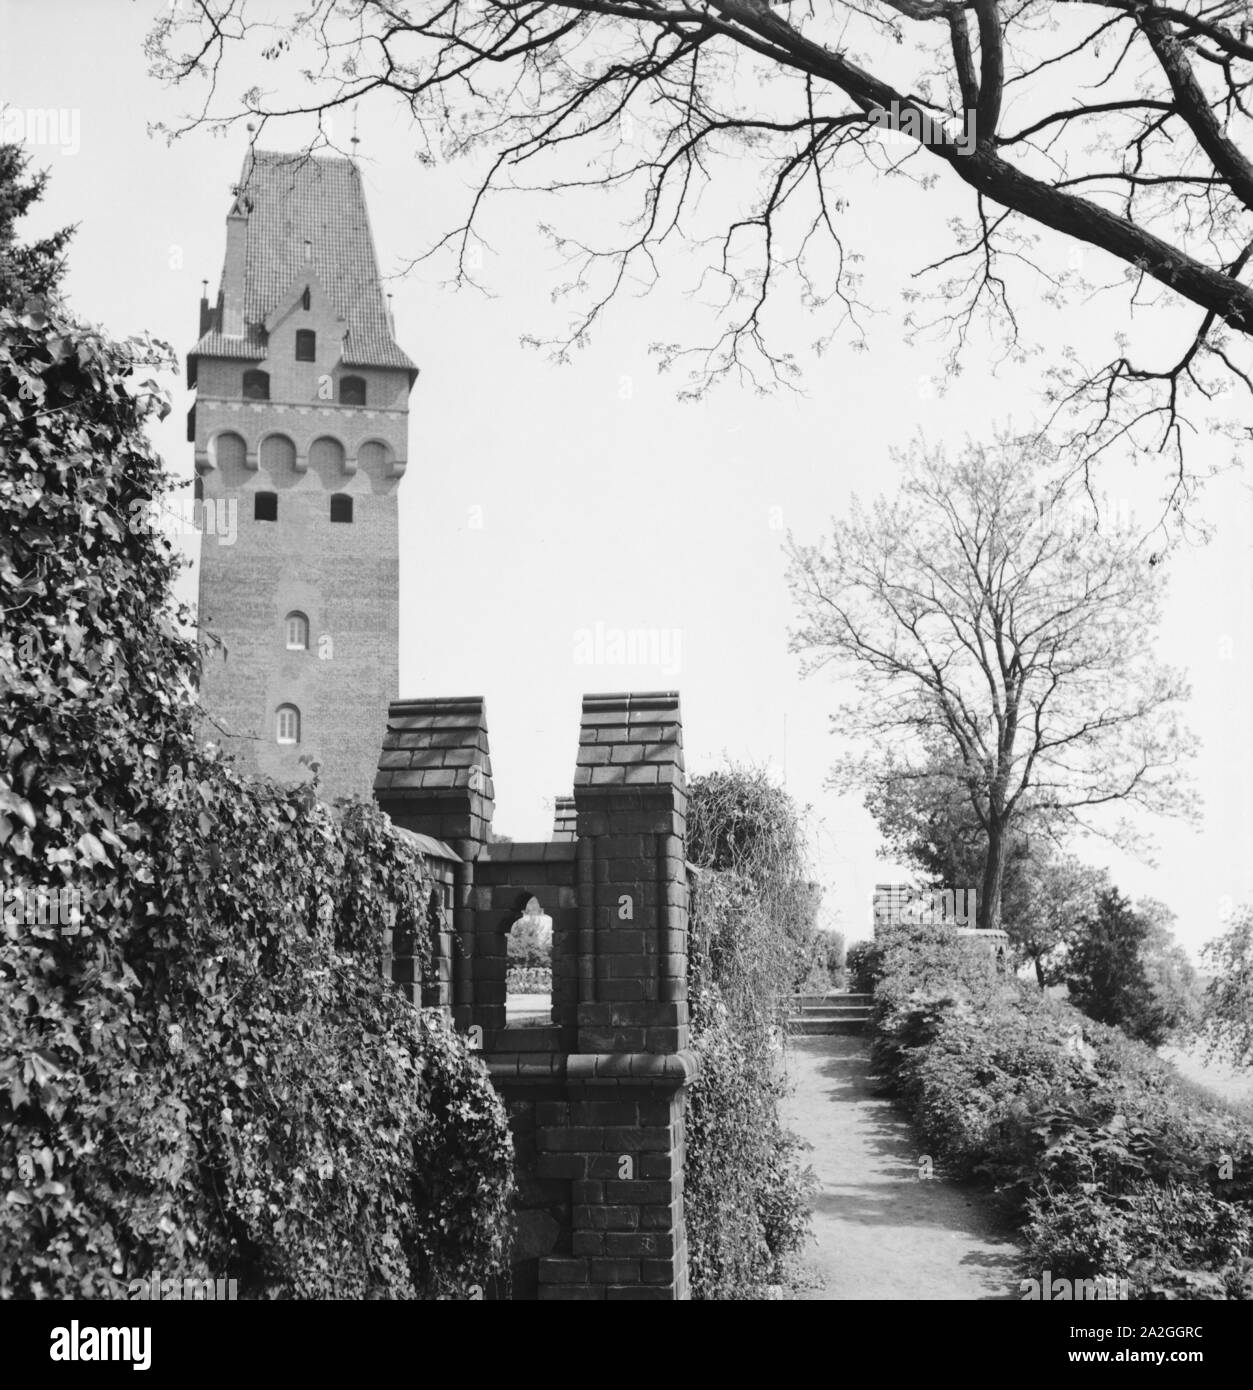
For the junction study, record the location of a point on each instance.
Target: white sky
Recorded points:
(603, 499)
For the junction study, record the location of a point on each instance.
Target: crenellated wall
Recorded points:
(595, 1093)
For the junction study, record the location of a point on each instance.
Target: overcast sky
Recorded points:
(541, 501)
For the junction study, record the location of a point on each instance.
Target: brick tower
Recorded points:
(301, 434)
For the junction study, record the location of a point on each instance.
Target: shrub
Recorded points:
(210, 1075)
(745, 1190)
(862, 964)
(1115, 1166)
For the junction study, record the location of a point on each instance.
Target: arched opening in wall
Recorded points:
(277, 456)
(372, 458)
(529, 982)
(326, 458)
(229, 452)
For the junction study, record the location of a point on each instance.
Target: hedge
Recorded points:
(1110, 1164)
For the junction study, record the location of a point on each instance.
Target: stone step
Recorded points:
(806, 1000)
(817, 1012)
(818, 1027)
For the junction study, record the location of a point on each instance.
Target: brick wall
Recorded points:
(596, 1097)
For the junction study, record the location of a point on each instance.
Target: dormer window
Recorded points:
(256, 386)
(352, 390)
(306, 345)
(306, 299)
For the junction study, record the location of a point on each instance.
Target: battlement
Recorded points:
(596, 1092)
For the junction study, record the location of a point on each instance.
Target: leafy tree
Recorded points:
(998, 653)
(1227, 1019)
(26, 270)
(751, 130)
(1106, 973)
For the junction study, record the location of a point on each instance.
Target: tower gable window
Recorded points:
(297, 632)
(256, 386)
(265, 506)
(306, 345)
(352, 390)
(341, 507)
(287, 724)
(305, 300)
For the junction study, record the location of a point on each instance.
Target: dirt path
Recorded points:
(881, 1231)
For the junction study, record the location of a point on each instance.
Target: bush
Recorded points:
(1114, 1166)
(524, 979)
(209, 1075)
(745, 1190)
(862, 964)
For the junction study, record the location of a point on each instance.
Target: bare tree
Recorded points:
(1122, 124)
(974, 615)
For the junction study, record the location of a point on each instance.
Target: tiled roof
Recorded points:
(297, 198)
(630, 741)
(436, 746)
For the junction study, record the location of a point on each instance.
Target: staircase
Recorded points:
(814, 1014)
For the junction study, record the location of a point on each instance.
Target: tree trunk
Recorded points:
(988, 908)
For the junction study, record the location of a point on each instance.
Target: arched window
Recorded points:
(256, 386)
(265, 506)
(306, 345)
(287, 724)
(529, 949)
(277, 455)
(297, 630)
(372, 458)
(305, 300)
(341, 507)
(352, 390)
(326, 459)
(230, 452)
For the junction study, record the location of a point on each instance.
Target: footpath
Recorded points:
(882, 1231)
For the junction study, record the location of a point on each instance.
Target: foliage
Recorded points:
(740, 824)
(208, 1073)
(1227, 1021)
(1107, 975)
(530, 945)
(826, 963)
(26, 271)
(529, 979)
(1135, 144)
(1112, 1164)
(862, 962)
(745, 1194)
(998, 654)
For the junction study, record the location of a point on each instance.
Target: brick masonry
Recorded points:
(596, 1098)
(305, 446)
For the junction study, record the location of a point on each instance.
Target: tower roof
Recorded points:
(307, 214)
